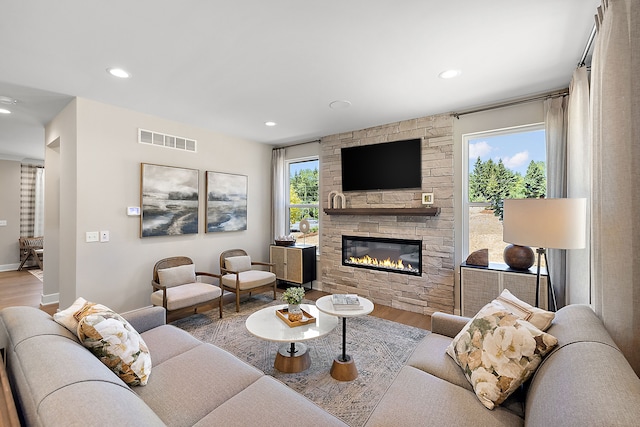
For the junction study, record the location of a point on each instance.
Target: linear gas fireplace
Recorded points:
(396, 255)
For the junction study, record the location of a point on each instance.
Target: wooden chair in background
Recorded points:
(31, 247)
(176, 285)
(239, 277)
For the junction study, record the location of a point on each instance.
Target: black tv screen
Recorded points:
(386, 166)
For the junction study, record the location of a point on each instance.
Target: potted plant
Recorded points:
(293, 296)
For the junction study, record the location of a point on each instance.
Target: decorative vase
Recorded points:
(294, 312)
(519, 257)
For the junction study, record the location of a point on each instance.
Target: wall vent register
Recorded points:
(168, 141)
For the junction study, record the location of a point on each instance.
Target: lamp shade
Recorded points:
(545, 223)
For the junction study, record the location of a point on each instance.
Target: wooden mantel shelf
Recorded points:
(384, 211)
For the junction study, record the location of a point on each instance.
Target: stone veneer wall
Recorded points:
(434, 290)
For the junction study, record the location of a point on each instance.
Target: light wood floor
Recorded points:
(23, 288)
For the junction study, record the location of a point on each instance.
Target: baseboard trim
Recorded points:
(9, 267)
(50, 299)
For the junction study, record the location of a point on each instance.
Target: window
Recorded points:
(508, 163)
(303, 200)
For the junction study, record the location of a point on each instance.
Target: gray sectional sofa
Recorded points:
(584, 381)
(57, 382)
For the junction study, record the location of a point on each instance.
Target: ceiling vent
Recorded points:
(168, 141)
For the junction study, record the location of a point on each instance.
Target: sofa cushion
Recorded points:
(238, 263)
(114, 341)
(584, 384)
(166, 342)
(498, 352)
(187, 295)
(186, 387)
(179, 275)
(538, 317)
(416, 398)
(249, 279)
(96, 403)
(431, 356)
(261, 404)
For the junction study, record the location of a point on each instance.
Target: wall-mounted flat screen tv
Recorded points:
(387, 166)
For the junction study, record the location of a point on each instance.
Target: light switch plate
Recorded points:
(3, 222)
(92, 236)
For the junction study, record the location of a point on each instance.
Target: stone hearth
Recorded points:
(433, 290)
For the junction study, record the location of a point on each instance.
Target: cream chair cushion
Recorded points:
(238, 263)
(186, 295)
(179, 275)
(249, 279)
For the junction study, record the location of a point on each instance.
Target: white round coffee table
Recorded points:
(291, 357)
(343, 367)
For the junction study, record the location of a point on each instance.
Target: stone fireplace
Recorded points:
(386, 215)
(402, 256)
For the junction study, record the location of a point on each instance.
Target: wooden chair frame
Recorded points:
(31, 247)
(175, 262)
(236, 290)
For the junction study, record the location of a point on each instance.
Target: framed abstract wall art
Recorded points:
(169, 200)
(226, 202)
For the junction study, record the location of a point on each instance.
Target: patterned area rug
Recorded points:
(379, 347)
(37, 273)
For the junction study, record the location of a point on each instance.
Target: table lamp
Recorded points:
(545, 224)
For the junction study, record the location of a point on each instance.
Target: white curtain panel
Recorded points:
(616, 173)
(556, 133)
(38, 219)
(279, 199)
(578, 289)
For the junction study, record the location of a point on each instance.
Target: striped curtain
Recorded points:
(31, 200)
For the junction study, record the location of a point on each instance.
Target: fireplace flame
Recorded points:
(387, 263)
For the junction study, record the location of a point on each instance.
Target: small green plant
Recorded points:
(293, 295)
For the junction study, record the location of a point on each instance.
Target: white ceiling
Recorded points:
(229, 66)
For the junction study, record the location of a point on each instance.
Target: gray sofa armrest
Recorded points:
(146, 318)
(447, 324)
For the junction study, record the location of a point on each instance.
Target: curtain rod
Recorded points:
(295, 145)
(592, 36)
(563, 92)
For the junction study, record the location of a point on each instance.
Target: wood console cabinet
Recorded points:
(295, 264)
(481, 285)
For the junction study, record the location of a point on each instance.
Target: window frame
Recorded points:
(288, 205)
(466, 204)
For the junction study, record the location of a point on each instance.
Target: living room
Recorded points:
(92, 159)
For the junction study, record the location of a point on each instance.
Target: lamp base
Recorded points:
(519, 257)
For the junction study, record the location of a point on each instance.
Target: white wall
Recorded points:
(105, 173)
(9, 212)
(519, 115)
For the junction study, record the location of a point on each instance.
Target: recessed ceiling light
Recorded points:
(449, 74)
(340, 105)
(4, 111)
(118, 72)
(271, 124)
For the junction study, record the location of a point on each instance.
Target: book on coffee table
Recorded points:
(346, 302)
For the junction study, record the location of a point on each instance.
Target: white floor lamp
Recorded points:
(545, 224)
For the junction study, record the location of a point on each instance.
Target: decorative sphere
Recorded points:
(519, 257)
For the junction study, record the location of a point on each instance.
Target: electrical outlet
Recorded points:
(92, 236)
(104, 236)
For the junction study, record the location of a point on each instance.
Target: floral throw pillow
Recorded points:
(498, 352)
(114, 341)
